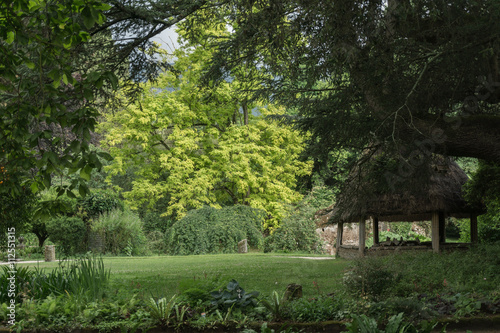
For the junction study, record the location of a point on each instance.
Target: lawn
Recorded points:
(162, 275)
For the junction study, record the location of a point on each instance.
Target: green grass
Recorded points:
(254, 271)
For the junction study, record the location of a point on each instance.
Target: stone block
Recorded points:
(243, 246)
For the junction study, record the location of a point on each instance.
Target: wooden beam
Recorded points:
(473, 229)
(435, 232)
(375, 231)
(340, 233)
(362, 236)
(442, 225)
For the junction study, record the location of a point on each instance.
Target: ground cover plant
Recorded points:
(170, 291)
(426, 285)
(406, 292)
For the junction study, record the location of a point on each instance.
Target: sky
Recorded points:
(167, 39)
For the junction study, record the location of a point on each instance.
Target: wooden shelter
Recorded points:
(431, 194)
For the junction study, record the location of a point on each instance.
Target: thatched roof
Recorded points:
(402, 196)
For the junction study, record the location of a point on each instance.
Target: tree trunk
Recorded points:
(245, 113)
(41, 238)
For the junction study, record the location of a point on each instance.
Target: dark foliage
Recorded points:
(210, 230)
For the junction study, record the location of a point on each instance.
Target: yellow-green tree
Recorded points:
(195, 145)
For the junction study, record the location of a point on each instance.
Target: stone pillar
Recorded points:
(50, 253)
(473, 229)
(362, 236)
(375, 231)
(435, 232)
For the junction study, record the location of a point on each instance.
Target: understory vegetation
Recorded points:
(410, 291)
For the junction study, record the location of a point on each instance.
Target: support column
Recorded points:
(375, 231)
(340, 233)
(435, 232)
(442, 231)
(362, 236)
(473, 229)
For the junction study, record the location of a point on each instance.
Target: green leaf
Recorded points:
(88, 18)
(34, 187)
(46, 180)
(112, 79)
(83, 189)
(11, 35)
(88, 94)
(86, 134)
(85, 172)
(106, 156)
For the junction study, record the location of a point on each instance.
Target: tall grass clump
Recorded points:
(122, 232)
(86, 278)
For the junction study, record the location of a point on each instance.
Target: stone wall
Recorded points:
(352, 252)
(328, 234)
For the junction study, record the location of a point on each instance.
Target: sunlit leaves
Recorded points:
(188, 144)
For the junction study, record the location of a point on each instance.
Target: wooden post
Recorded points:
(435, 232)
(362, 236)
(375, 231)
(340, 232)
(442, 232)
(473, 229)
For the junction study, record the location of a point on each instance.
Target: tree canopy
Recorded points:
(411, 77)
(200, 146)
(422, 75)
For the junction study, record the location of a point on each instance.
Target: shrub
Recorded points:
(210, 230)
(100, 202)
(121, 231)
(297, 233)
(153, 221)
(367, 278)
(67, 233)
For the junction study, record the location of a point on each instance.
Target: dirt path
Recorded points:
(310, 258)
(27, 262)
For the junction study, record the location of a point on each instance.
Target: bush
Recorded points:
(488, 226)
(122, 232)
(369, 278)
(297, 233)
(210, 230)
(67, 233)
(153, 221)
(100, 202)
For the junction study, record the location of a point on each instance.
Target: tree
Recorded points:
(414, 77)
(201, 146)
(41, 91)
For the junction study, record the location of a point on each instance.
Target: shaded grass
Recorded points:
(254, 271)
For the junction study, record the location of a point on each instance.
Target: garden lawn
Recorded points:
(165, 275)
